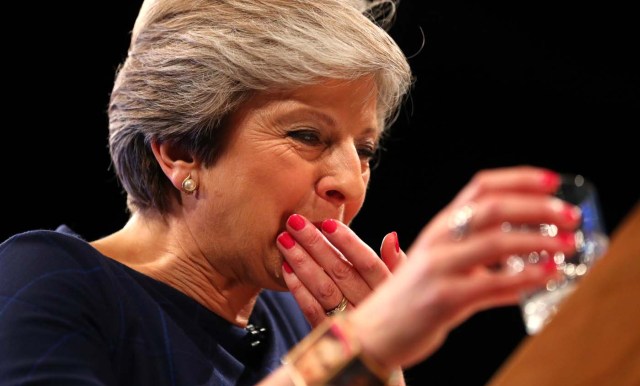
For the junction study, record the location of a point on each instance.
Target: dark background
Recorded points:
(552, 84)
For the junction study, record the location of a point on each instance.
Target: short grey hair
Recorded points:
(192, 62)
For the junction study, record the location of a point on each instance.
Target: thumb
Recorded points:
(390, 251)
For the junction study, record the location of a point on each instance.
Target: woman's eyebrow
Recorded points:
(326, 119)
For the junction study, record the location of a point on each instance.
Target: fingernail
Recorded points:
(567, 238)
(286, 240)
(287, 267)
(549, 266)
(296, 222)
(329, 225)
(550, 180)
(572, 212)
(395, 235)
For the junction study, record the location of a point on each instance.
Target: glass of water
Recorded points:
(539, 305)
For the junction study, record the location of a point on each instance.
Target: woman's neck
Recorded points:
(155, 247)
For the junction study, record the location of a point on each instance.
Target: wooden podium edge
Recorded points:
(594, 339)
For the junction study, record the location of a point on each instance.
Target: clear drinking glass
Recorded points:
(540, 305)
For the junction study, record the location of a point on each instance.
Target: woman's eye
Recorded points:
(308, 137)
(367, 152)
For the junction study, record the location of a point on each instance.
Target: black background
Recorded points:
(553, 84)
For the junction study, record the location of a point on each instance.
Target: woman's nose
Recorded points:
(345, 178)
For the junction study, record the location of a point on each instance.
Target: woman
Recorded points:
(242, 132)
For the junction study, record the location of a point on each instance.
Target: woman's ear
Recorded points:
(178, 165)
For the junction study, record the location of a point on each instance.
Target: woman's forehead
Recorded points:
(354, 97)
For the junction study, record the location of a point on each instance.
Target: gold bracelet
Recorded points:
(330, 355)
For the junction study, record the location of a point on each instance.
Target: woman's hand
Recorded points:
(455, 269)
(332, 267)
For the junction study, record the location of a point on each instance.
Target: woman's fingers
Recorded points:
(332, 264)
(490, 248)
(517, 179)
(319, 275)
(493, 288)
(363, 259)
(516, 196)
(339, 253)
(312, 276)
(519, 210)
(311, 308)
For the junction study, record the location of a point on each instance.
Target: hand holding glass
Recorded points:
(540, 305)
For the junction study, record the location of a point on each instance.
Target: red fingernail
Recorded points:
(550, 180)
(296, 222)
(329, 226)
(287, 267)
(549, 266)
(286, 240)
(567, 238)
(571, 213)
(395, 235)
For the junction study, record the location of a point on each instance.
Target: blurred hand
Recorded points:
(456, 268)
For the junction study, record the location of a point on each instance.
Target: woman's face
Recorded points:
(304, 151)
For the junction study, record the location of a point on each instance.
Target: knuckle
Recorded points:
(342, 271)
(492, 206)
(495, 243)
(294, 286)
(314, 238)
(499, 241)
(327, 291)
(297, 260)
(311, 312)
(479, 184)
(369, 266)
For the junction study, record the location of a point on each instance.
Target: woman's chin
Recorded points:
(277, 284)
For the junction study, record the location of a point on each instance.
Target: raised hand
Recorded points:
(456, 266)
(331, 269)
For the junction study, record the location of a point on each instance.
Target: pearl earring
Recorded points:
(189, 185)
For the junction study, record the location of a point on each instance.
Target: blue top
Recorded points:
(72, 316)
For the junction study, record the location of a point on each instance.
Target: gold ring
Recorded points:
(339, 308)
